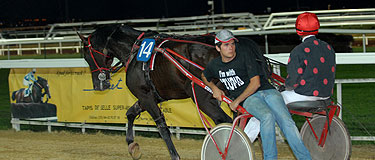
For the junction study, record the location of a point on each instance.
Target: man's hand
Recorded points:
(218, 93)
(233, 106)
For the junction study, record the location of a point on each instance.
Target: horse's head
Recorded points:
(44, 84)
(103, 45)
(99, 59)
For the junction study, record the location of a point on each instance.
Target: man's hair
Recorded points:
(218, 44)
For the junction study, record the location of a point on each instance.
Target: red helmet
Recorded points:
(307, 24)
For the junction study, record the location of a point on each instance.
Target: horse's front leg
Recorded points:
(131, 114)
(161, 124)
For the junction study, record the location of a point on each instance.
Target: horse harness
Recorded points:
(149, 65)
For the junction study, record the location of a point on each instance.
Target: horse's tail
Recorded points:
(14, 95)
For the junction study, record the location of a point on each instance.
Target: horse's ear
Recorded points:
(80, 35)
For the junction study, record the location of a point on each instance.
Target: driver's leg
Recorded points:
(287, 125)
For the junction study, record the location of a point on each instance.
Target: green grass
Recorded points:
(4, 100)
(360, 49)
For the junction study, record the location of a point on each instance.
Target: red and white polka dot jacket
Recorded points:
(311, 68)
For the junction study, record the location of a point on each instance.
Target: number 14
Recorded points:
(146, 50)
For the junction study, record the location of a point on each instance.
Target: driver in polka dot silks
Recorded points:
(311, 65)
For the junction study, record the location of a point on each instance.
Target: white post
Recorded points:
(78, 48)
(15, 124)
(126, 127)
(60, 46)
(8, 53)
(339, 98)
(38, 51)
(19, 51)
(364, 42)
(178, 134)
(266, 43)
(83, 127)
(49, 126)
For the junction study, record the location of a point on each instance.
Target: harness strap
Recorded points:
(115, 69)
(152, 63)
(162, 123)
(131, 51)
(91, 48)
(150, 83)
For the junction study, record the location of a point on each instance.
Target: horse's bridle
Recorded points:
(101, 76)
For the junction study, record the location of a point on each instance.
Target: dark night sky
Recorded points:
(56, 11)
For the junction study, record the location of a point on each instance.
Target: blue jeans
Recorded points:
(268, 107)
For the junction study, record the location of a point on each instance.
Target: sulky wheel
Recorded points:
(337, 146)
(239, 148)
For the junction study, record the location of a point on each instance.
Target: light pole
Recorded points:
(211, 3)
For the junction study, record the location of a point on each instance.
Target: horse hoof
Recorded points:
(134, 150)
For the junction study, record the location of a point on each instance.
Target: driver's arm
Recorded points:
(217, 93)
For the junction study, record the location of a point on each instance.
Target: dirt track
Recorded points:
(67, 145)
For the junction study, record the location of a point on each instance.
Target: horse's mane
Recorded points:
(40, 78)
(207, 38)
(134, 32)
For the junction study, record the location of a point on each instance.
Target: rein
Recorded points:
(39, 85)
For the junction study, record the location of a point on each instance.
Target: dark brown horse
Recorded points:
(36, 94)
(164, 82)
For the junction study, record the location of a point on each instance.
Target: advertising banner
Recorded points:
(74, 99)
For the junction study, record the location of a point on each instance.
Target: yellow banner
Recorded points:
(76, 101)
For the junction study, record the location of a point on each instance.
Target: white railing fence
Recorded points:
(63, 36)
